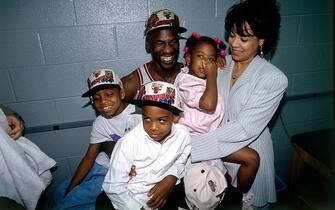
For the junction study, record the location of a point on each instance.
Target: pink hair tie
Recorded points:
(185, 49)
(217, 40)
(222, 52)
(196, 35)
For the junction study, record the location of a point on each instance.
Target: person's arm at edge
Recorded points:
(84, 166)
(15, 121)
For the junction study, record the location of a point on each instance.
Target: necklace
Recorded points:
(236, 76)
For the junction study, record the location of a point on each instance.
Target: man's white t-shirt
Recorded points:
(111, 129)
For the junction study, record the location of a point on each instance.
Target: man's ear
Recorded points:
(147, 46)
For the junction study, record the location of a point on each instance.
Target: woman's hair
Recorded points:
(195, 39)
(262, 16)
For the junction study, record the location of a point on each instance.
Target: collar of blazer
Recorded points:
(248, 73)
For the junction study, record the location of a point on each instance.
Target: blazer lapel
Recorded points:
(246, 75)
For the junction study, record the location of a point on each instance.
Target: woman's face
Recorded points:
(244, 48)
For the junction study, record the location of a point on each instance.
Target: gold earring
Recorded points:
(261, 54)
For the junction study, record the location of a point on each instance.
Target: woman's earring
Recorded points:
(261, 54)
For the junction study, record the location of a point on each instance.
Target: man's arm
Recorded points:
(131, 84)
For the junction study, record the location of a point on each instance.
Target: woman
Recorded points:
(252, 89)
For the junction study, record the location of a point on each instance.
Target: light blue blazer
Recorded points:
(248, 107)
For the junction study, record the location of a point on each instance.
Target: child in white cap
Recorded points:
(158, 148)
(116, 118)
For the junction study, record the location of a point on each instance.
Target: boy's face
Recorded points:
(108, 101)
(157, 122)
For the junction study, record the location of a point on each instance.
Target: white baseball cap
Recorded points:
(162, 19)
(160, 94)
(203, 185)
(102, 79)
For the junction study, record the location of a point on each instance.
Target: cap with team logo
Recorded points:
(102, 79)
(163, 19)
(161, 94)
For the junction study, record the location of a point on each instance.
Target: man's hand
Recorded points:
(132, 172)
(160, 193)
(16, 125)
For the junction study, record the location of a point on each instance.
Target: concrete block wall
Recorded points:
(49, 47)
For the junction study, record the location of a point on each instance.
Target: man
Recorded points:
(162, 31)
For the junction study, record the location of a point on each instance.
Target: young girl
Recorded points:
(203, 108)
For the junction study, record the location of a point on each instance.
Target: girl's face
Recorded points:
(203, 55)
(108, 101)
(244, 48)
(157, 122)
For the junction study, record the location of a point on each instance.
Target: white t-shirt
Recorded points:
(112, 129)
(153, 161)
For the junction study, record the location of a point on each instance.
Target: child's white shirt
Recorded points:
(111, 129)
(153, 161)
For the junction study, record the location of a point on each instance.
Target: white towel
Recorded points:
(24, 170)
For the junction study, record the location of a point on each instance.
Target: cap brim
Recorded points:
(97, 88)
(142, 103)
(179, 29)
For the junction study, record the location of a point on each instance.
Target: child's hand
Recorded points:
(16, 126)
(221, 61)
(210, 68)
(160, 193)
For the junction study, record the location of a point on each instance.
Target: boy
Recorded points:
(157, 147)
(116, 118)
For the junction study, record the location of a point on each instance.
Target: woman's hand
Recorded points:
(16, 125)
(160, 193)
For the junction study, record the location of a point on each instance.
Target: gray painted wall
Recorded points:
(49, 47)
